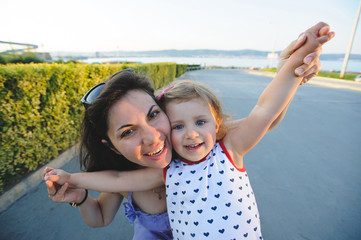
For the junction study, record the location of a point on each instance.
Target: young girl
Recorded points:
(209, 195)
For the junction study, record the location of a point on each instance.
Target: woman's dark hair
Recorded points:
(95, 155)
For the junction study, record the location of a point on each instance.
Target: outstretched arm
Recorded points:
(274, 98)
(311, 66)
(110, 181)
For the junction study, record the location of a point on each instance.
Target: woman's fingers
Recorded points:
(51, 188)
(62, 190)
(59, 196)
(311, 64)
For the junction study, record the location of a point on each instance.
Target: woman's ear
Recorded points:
(109, 145)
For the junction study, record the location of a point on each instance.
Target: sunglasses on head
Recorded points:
(94, 92)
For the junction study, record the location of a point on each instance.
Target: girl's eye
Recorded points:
(127, 133)
(178, 127)
(200, 122)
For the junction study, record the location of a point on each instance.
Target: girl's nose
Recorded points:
(191, 133)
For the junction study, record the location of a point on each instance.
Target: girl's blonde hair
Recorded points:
(185, 90)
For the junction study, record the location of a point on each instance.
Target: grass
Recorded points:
(348, 76)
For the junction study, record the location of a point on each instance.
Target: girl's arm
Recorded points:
(110, 181)
(274, 98)
(311, 66)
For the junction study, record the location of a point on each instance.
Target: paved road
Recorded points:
(305, 173)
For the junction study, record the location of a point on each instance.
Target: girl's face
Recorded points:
(139, 130)
(194, 128)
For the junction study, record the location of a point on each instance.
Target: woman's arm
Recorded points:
(100, 212)
(95, 212)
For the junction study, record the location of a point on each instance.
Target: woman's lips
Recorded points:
(159, 153)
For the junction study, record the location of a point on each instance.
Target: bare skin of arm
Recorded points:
(273, 100)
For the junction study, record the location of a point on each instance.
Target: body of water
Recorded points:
(353, 66)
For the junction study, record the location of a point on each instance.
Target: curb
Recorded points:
(321, 81)
(29, 183)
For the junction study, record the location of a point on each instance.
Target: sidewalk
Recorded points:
(27, 184)
(321, 81)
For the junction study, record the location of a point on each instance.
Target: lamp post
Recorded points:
(347, 55)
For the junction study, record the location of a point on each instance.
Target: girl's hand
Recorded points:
(312, 64)
(56, 175)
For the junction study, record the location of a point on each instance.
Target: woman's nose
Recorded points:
(149, 135)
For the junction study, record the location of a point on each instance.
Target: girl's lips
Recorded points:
(193, 147)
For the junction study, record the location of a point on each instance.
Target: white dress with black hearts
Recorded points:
(211, 199)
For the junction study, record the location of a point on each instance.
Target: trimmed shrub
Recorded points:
(41, 111)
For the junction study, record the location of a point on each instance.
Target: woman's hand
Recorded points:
(62, 193)
(312, 64)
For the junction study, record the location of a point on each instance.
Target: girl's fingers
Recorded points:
(47, 170)
(326, 38)
(300, 41)
(53, 178)
(323, 31)
(296, 44)
(49, 184)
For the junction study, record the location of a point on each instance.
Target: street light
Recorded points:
(347, 55)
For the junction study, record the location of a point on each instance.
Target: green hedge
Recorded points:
(181, 69)
(41, 112)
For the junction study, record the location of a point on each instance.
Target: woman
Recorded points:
(124, 129)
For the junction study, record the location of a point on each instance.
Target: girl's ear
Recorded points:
(105, 142)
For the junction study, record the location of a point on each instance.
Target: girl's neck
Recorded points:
(192, 162)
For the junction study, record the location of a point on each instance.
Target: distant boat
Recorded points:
(272, 56)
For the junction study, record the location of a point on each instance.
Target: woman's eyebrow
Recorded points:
(151, 109)
(129, 125)
(123, 126)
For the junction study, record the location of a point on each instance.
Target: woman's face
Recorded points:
(140, 130)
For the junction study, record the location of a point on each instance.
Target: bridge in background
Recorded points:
(27, 46)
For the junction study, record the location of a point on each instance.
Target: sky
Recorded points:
(142, 25)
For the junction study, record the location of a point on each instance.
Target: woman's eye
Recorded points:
(127, 133)
(154, 114)
(200, 122)
(178, 127)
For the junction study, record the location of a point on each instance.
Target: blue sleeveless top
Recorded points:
(146, 226)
